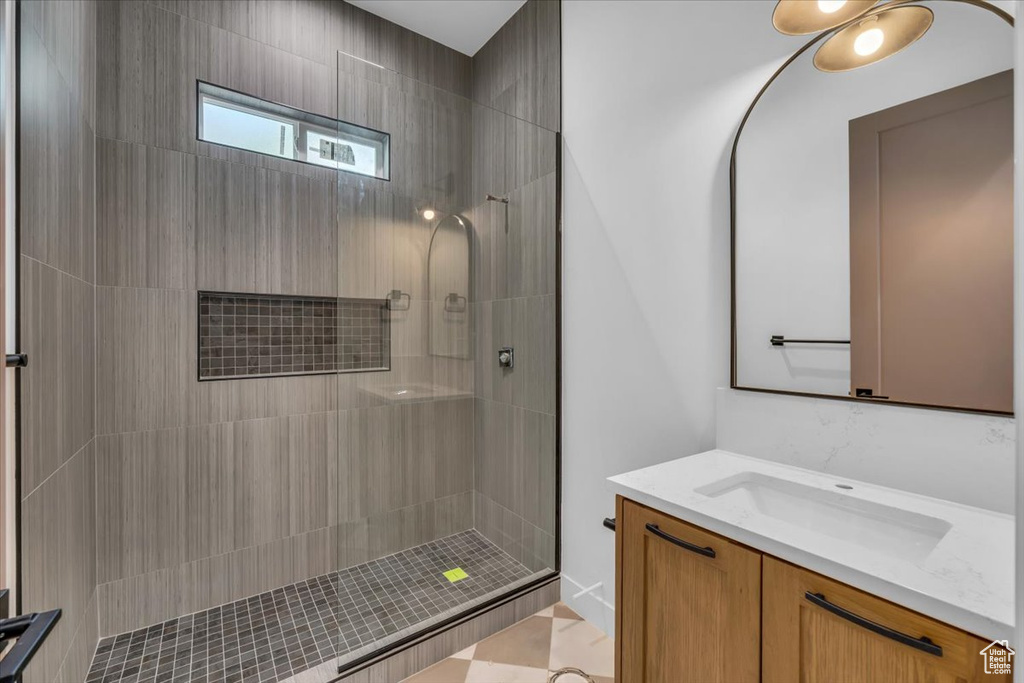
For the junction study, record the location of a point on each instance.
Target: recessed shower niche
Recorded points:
(263, 335)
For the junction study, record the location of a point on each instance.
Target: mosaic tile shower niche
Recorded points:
(264, 335)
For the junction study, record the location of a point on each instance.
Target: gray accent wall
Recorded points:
(518, 71)
(515, 477)
(57, 327)
(210, 492)
(148, 494)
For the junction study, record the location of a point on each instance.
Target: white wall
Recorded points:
(792, 208)
(652, 94)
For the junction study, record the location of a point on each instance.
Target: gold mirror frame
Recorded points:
(733, 380)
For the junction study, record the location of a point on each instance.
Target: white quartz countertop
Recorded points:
(954, 563)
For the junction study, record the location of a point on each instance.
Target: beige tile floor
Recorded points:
(530, 652)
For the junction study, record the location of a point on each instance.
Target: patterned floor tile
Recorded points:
(271, 636)
(580, 644)
(494, 672)
(527, 643)
(532, 650)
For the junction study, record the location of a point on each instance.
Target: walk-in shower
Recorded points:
(340, 462)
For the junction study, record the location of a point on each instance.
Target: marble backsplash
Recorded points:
(960, 457)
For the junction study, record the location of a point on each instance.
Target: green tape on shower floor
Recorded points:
(456, 574)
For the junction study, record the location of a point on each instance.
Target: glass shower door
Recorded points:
(446, 463)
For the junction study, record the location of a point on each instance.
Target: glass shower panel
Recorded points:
(446, 462)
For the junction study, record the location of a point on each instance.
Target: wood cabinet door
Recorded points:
(819, 630)
(688, 602)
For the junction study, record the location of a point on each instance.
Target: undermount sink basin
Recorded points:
(837, 514)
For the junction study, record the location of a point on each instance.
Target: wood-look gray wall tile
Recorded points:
(58, 400)
(171, 496)
(68, 32)
(79, 370)
(409, 330)
(225, 227)
(518, 70)
(493, 457)
(525, 542)
(533, 468)
(231, 15)
(532, 152)
(296, 27)
(492, 153)
(312, 448)
(141, 502)
(57, 82)
(363, 271)
(146, 599)
(523, 255)
(515, 468)
(231, 401)
(390, 457)
(145, 216)
(318, 29)
(240, 63)
(453, 514)
(453, 447)
(296, 238)
(57, 145)
(396, 530)
(357, 32)
(145, 358)
(528, 326)
(146, 70)
(383, 244)
(59, 555)
(78, 659)
(533, 333)
(42, 397)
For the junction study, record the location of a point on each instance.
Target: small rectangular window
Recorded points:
(237, 120)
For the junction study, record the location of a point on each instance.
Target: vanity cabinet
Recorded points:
(689, 602)
(820, 630)
(695, 606)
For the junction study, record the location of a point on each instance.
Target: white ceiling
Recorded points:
(463, 25)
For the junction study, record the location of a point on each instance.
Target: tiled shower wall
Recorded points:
(166, 495)
(212, 491)
(57, 295)
(517, 72)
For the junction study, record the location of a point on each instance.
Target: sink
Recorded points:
(836, 514)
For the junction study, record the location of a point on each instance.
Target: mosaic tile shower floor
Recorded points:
(277, 634)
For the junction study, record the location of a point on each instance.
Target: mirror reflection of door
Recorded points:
(448, 288)
(931, 249)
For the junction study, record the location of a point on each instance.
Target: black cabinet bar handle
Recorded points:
(17, 360)
(706, 552)
(924, 644)
(609, 523)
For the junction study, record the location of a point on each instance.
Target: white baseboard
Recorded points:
(597, 607)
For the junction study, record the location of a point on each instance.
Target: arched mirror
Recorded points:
(448, 288)
(872, 215)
